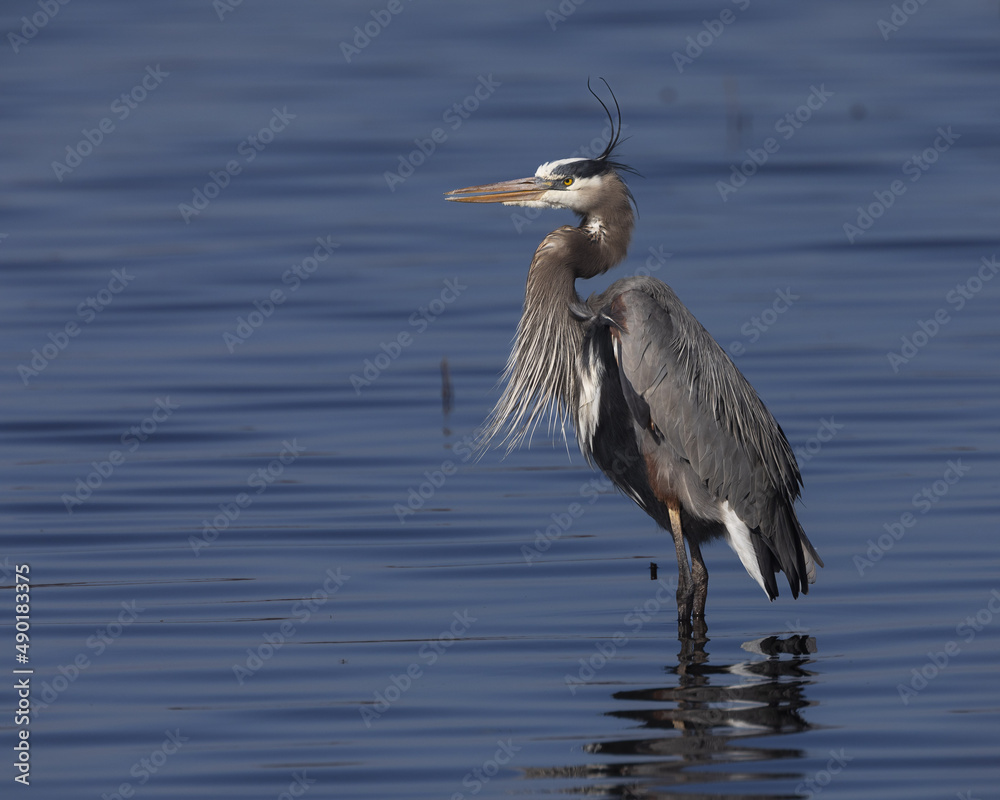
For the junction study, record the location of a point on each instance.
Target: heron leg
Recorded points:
(685, 583)
(699, 573)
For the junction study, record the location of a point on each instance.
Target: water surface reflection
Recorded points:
(697, 729)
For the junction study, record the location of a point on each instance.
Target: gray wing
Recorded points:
(708, 429)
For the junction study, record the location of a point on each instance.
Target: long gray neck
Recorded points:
(543, 368)
(609, 232)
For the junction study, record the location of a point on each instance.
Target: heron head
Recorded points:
(579, 184)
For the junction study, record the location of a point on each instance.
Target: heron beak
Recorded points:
(503, 192)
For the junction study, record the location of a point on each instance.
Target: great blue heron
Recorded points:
(656, 402)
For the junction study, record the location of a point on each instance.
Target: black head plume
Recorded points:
(615, 137)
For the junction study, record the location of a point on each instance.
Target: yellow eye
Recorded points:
(567, 181)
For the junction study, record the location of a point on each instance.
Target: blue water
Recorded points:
(227, 299)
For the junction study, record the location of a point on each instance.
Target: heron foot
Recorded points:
(692, 628)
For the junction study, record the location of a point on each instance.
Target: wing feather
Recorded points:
(714, 428)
